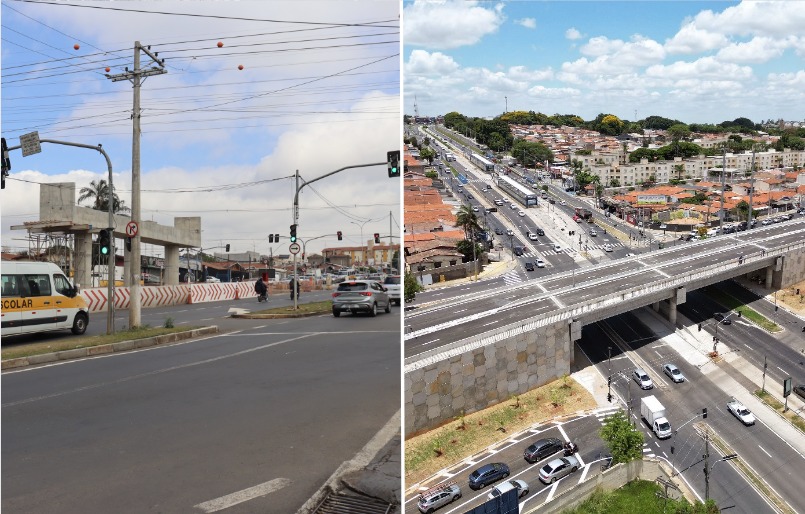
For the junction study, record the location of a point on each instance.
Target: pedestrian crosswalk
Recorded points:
(543, 253)
(512, 277)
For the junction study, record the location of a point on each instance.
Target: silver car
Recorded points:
(360, 296)
(499, 490)
(438, 496)
(673, 373)
(558, 468)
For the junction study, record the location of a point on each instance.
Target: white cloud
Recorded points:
(421, 62)
(573, 34)
(529, 23)
(541, 92)
(449, 24)
(691, 39)
(758, 50)
(705, 68)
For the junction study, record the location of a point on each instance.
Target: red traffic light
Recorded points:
(220, 44)
(377, 238)
(339, 235)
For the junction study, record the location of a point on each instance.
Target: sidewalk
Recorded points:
(491, 270)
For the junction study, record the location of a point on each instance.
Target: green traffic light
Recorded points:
(104, 250)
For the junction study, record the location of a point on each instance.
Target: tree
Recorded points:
(471, 250)
(427, 154)
(98, 193)
(679, 169)
(625, 442)
(411, 287)
(468, 221)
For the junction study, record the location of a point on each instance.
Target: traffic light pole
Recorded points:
(296, 210)
(110, 315)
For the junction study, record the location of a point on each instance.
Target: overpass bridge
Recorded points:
(537, 322)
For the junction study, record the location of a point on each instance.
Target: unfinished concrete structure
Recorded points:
(60, 214)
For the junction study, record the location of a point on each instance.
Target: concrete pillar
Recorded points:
(672, 308)
(127, 273)
(171, 273)
(769, 276)
(656, 306)
(83, 261)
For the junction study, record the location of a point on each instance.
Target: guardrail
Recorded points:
(573, 311)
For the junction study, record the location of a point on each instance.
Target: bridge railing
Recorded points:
(574, 311)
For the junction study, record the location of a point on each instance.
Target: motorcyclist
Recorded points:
(261, 290)
(570, 448)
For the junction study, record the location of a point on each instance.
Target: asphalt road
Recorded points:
(275, 405)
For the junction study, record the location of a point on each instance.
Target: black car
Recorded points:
(540, 232)
(519, 251)
(718, 316)
(487, 474)
(499, 231)
(800, 391)
(541, 449)
(529, 266)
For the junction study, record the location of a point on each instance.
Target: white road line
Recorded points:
(764, 451)
(781, 369)
(224, 502)
(551, 493)
(490, 323)
(584, 473)
(429, 342)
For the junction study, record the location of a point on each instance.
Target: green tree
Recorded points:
(468, 221)
(98, 194)
(411, 287)
(466, 247)
(625, 442)
(679, 169)
(427, 154)
(431, 174)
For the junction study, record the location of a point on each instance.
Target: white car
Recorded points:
(474, 208)
(557, 247)
(498, 490)
(521, 213)
(563, 202)
(741, 412)
(213, 280)
(593, 233)
(509, 232)
(532, 236)
(607, 248)
(513, 206)
(539, 262)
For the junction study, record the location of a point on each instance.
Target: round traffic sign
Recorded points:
(294, 248)
(131, 228)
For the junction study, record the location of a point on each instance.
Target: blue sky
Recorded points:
(313, 95)
(698, 62)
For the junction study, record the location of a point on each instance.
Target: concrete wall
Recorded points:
(487, 375)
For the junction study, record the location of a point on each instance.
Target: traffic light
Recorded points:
(704, 413)
(377, 238)
(5, 161)
(227, 248)
(128, 244)
(271, 238)
(393, 159)
(339, 235)
(609, 397)
(293, 233)
(609, 381)
(103, 242)
(276, 238)
(700, 327)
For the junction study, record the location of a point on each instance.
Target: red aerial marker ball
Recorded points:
(107, 69)
(220, 44)
(76, 46)
(240, 66)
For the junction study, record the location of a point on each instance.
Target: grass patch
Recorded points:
(429, 452)
(794, 418)
(636, 496)
(734, 304)
(71, 343)
(304, 308)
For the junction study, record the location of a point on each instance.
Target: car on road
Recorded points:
(542, 448)
(509, 232)
(558, 468)
(539, 262)
(563, 202)
(720, 316)
(499, 202)
(663, 226)
(438, 496)
(487, 474)
(474, 208)
(551, 201)
(593, 233)
(740, 411)
(499, 231)
(673, 373)
(521, 213)
(393, 285)
(213, 280)
(799, 390)
(557, 247)
(642, 379)
(577, 218)
(529, 266)
(519, 251)
(505, 487)
(513, 206)
(532, 236)
(607, 247)
(360, 296)
(540, 232)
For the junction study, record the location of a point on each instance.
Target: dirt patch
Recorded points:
(427, 453)
(793, 301)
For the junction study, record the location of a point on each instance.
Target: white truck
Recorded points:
(654, 413)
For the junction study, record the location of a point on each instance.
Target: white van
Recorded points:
(37, 297)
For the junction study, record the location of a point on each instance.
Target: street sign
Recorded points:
(131, 228)
(294, 248)
(30, 144)
(786, 387)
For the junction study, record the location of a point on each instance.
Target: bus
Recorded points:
(523, 195)
(37, 297)
(482, 163)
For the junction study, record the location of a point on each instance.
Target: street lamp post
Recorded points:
(363, 242)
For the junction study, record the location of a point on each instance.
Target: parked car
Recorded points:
(520, 485)
(213, 280)
(360, 296)
(741, 412)
(558, 468)
(673, 373)
(393, 285)
(541, 449)
(487, 474)
(438, 496)
(642, 379)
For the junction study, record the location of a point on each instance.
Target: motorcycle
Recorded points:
(262, 298)
(570, 449)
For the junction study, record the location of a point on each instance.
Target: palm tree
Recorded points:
(98, 193)
(468, 221)
(679, 169)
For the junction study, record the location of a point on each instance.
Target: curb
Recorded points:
(122, 346)
(279, 316)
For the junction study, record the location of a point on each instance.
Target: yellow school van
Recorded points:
(37, 297)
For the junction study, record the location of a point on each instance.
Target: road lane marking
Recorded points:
(224, 502)
(490, 323)
(781, 369)
(764, 451)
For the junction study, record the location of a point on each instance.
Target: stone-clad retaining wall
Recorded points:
(441, 391)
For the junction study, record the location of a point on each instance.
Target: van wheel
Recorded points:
(80, 323)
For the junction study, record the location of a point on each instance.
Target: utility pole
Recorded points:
(706, 466)
(135, 77)
(751, 190)
(721, 212)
